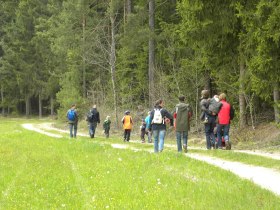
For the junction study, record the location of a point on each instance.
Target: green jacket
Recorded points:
(182, 113)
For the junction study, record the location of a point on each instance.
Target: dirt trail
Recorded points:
(264, 177)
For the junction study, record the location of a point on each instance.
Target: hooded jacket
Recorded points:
(182, 115)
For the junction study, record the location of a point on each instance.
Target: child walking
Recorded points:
(106, 126)
(143, 131)
(127, 125)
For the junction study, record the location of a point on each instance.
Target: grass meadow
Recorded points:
(41, 172)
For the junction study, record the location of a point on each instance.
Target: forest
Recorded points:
(121, 54)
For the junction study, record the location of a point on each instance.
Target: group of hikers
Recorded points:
(216, 114)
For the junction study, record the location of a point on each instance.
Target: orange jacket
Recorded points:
(127, 122)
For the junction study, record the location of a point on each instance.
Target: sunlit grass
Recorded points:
(40, 172)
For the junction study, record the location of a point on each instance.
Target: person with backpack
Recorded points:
(127, 125)
(158, 117)
(182, 116)
(225, 115)
(72, 117)
(211, 117)
(93, 118)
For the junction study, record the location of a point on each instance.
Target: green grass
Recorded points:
(40, 172)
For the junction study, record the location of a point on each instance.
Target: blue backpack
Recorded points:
(71, 115)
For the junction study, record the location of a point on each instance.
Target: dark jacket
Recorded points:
(204, 106)
(182, 113)
(95, 116)
(165, 114)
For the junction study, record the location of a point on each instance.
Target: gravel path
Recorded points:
(264, 177)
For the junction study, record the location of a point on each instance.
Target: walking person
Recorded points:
(148, 127)
(106, 126)
(158, 117)
(143, 130)
(93, 118)
(182, 116)
(225, 114)
(210, 123)
(127, 125)
(72, 116)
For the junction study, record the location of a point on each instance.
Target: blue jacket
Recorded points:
(148, 121)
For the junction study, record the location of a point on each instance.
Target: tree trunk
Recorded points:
(84, 68)
(128, 6)
(2, 101)
(242, 101)
(52, 106)
(40, 106)
(112, 65)
(151, 52)
(276, 98)
(27, 106)
(208, 85)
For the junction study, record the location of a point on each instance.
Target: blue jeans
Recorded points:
(73, 126)
(222, 130)
(91, 128)
(159, 136)
(179, 135)
(209, 131)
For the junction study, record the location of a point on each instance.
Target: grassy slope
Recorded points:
(40, 172)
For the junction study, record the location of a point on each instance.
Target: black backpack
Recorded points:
(90, 116)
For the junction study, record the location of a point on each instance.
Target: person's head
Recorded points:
(223, 97)
(108, 117)
(159, 103)
(181, 98)
(149, 112)
(127, 112)
(205, 94)
(73, 106)
(94, 106)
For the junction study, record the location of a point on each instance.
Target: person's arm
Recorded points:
(169, 116)
(204, 107)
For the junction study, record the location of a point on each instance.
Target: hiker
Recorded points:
(143, 130)
(210, 123)
(148, 127)
(106, 126)
(158, 117)
(72, 116)
(182, 116)
(225, 114)
(93, 118)
(127, 125)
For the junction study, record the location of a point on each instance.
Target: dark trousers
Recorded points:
(142, 134)
(126, 134)
(92, 127)
(222, 130)
(106, 132)
(209, 131)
